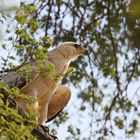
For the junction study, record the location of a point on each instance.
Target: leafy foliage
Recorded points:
(12, 125)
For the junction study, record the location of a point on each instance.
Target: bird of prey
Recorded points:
(51, 96)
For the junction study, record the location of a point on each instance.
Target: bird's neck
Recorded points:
(60, 61)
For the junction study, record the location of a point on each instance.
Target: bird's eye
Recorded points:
(77, 47)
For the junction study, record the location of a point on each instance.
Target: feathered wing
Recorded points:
(13, 79)
(58, 101)
(19, 80)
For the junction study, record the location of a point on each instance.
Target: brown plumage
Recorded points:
(52, 97)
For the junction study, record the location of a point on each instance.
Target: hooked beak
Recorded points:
(84, 51)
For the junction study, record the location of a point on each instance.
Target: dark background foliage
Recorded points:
(106, 103)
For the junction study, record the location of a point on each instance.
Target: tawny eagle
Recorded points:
(52, 97)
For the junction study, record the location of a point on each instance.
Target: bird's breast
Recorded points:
(41, 85)
(61, 69)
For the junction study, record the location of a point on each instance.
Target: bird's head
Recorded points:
(71, 50)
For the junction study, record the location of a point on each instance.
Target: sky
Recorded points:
(9, 3)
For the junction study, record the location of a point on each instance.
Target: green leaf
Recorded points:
(58, 2)
(21, 17)
(135, 124)
(70, 70)
(10, 38)
(119, 122)
(70, 129)
(135, 9)
(4, 46)
(34, 25)
(47, 40)
(20, 47)
(77, 3)
(1, 21)
(12, 57)
(31, 9)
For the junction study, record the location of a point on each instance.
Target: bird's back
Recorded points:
(13, 79)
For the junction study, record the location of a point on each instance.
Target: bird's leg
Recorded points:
(43, 107)
(43, 112)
